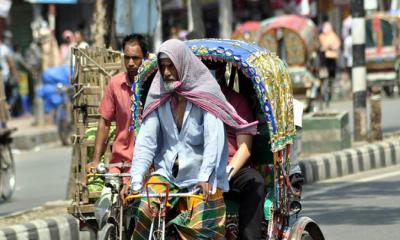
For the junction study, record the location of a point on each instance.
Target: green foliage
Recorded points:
(96, 184)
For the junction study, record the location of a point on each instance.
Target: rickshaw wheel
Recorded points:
(306, 236)
(389, 91)
(109, 232)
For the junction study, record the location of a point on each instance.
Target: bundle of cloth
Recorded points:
(53, 78)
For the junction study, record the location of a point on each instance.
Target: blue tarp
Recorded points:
(58, 74)
(52, 97)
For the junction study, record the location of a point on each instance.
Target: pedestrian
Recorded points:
(79, 40)
(348, 53)
(65, 47)
(115, 106)
(24, 82)
(330, 45)
(10, 74)
(183, 136)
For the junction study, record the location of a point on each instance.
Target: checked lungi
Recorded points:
(195, 219)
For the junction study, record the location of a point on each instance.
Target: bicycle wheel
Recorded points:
(64, 126)
(7, 172)
(108, 232)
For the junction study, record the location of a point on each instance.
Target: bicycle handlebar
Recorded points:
(162, 195)
(108, 175)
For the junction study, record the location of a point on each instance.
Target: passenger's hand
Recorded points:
(124, 191)
(91, 167)
(206, 189)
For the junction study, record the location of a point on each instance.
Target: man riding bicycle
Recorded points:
(115, 106)
(183, 136)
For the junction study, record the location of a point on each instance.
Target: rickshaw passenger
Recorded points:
(183, 135)
(115, 106)
(245, 183)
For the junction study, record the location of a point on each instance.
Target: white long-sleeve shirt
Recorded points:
(200, 146)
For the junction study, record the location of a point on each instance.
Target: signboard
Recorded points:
(53, 1)
(136, 16)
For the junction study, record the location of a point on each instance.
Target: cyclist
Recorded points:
(183, 135)
(115, 106)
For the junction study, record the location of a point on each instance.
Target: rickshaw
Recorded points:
(263, 78)
(293, 39)
(246, 31)
(382, 52)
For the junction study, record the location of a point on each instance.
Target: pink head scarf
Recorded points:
(197, 85)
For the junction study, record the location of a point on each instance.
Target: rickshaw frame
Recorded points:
(272, 85)
(384, 76)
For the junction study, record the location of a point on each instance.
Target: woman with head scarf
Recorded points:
(183, 135)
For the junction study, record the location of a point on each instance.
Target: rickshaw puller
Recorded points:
(183, 135)
(115, 106)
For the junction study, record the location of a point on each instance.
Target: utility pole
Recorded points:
(225, 18)
(157, 38)
(38, 102)
(359, 71)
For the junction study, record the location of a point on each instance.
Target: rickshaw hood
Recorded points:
(197, 86)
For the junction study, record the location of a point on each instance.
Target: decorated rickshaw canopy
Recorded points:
(382, 29)
(299, 35)
(268, 74)
(246, 31)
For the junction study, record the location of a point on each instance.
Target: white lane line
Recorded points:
(324, 190)
(386, 175)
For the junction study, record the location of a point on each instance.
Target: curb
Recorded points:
(350, 161)
(65, 227)
(29, 141)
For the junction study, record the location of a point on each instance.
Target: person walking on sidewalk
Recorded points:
(9, 74)
(115, 106)
(330, 44)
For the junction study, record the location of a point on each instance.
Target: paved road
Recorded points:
(41, 177)
(365, 206)
(390, 113)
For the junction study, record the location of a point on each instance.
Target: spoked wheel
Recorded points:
(64, 127)
(306, 236)
(108, 232)
(7, 172)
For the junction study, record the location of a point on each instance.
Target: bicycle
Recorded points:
(109, 213)
(110, 217)
(63, 114)
(159, 214)
(7, 165)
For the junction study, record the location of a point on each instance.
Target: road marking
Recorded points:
(369, 179)
(324, 190)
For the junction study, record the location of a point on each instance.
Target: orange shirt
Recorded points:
(115, 106)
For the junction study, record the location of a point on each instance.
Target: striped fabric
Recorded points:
(195, 219)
